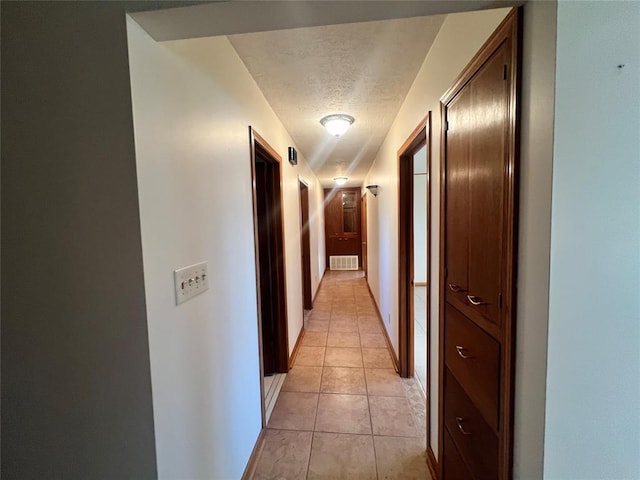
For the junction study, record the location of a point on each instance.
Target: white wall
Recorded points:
(193, 101)
(420, 216)
(536, 157)
(593, 383)
(459, 39)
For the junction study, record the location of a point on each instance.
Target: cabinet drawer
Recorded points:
(454, 466)
(474, 358)
(474, 438)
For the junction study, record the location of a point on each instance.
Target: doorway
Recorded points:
(269, 250)
(305, 247)
(414, 259)
(363, 232)
(342, 228)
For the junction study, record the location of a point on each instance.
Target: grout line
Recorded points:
(313, 434)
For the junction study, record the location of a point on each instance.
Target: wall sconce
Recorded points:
(373, 189)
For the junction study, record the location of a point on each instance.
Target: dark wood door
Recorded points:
(363, 232)
(269, 255)
(266, 246)
(342, 222)
(305, 247)
(477, 316)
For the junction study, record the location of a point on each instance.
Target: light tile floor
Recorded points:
(420, 335)
(343, 412)
(272, 387)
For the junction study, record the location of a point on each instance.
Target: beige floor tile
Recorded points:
(317, 326)
(401, 458)
(392, 416)
(344, 307)
(340, 456)
(340, 339)
(314, 339)
(285, 455)
(372, 340)
(343, 380)
(344, 317)
(369, 326)
(341, 413)
(322, 315)
(343, 357)
(396, 422)
(342, 326)
(303, 379)
(322, 308)
(376, 358)
(384, 381)
(417, 402)
(294, 411)
(366, 309)
(310, 356)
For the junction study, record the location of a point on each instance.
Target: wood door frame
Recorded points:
(421, 136)
(259, 146)
(510, 29)
(363, 234)
(305, 245)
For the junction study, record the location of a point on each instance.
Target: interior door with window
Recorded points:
(342, 223)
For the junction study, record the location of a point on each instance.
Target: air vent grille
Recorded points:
(343, 262)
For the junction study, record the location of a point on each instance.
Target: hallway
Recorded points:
(343, 412)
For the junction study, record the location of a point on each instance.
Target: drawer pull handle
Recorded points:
(460, 350)
(454, 288)
(459, 421)
(474, 300)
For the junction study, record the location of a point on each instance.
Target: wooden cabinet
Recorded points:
(474, 439)
(478, 261)
(473, 357)
(342, 222)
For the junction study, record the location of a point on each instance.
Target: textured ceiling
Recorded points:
(362, 69)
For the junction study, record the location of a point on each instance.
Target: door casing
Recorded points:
(421, 136)
(260, 148)
(305, 246)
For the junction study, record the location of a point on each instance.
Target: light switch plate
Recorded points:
(190, 281)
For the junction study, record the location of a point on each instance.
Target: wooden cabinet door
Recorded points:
(488, 118)
(475, 180)
(457, 199)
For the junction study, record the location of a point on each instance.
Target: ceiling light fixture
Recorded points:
(337, 123)
(340, 180)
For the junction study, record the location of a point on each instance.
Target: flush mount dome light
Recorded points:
(337, 123)
(340, 180)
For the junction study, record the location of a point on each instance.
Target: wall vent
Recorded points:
(343, 262)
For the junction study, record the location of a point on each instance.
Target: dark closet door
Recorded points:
(268, 298)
